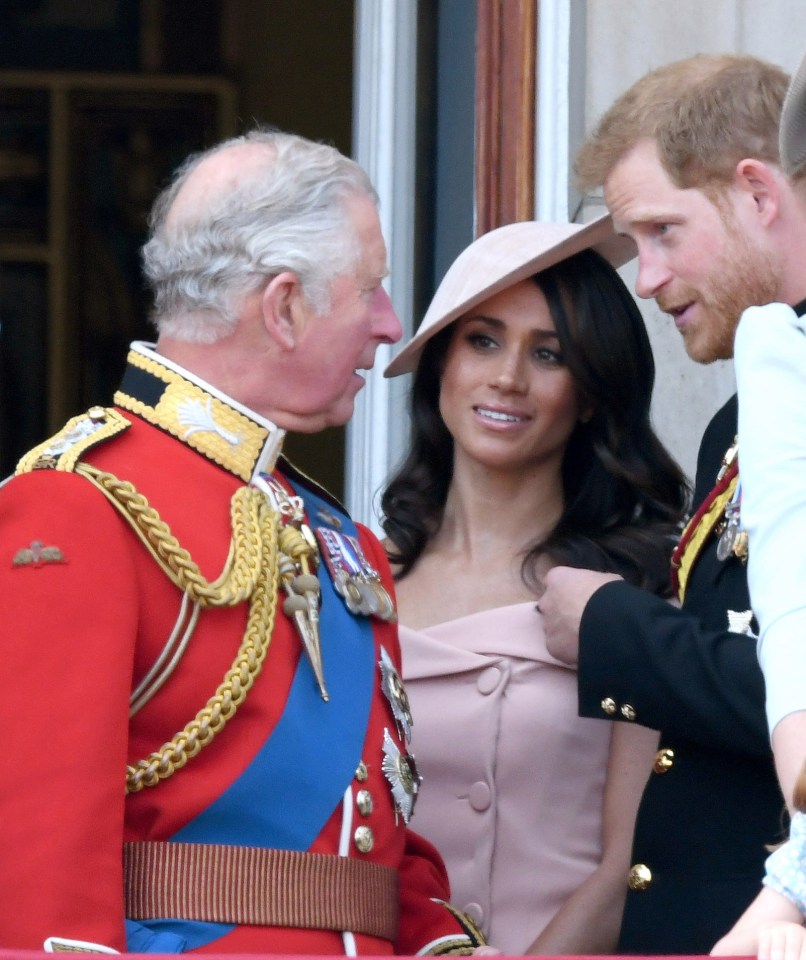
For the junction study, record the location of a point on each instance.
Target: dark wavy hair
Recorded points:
(624, 494)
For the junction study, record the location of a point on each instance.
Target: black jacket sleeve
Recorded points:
(680, 670)
(676, 674)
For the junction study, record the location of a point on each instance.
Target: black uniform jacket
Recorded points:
(712, 804)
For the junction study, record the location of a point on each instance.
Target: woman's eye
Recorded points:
(480, 340)
(545, 355)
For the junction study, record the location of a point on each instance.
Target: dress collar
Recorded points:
(204, 418)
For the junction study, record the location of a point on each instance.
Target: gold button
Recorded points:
(96, 413)
(364, 839)
(361, 773)
(363, 800)
(628, 712)
(609, 706)
(640, 877)
(664, 760)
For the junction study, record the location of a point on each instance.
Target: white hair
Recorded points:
(287, 213)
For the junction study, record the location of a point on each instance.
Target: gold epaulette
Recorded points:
(64, 450)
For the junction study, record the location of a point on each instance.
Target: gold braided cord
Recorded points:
(252, 570)
(237, 580)
(294, 545)
(237, 682)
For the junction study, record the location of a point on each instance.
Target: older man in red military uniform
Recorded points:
(208, 728)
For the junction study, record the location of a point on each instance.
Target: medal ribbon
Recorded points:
(340, 549)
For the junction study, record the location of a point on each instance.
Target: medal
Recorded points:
(401, 772)
(733, 540)
(354, 579)
(395, 693)
(724, 547)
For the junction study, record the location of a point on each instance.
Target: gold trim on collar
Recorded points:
(204, 422)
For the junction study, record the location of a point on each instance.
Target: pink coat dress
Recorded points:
(512, 777)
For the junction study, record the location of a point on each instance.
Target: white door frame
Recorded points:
(384, 144)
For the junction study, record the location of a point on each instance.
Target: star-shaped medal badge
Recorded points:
(395, 693)
(401, 772)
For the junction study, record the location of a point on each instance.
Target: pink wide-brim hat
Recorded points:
(792, 132)
(502, 258)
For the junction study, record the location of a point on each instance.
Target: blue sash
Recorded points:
(294, 783)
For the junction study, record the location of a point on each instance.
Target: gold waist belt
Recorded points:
(251, 885)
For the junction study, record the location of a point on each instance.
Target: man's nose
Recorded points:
(385, 322)
(652, 275)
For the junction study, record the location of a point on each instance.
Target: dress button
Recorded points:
(640, 877)
(664, 760)
(628, 712)
(609, 706)
(476, 914)
(488, 680)
(361, 772)
(480, 796)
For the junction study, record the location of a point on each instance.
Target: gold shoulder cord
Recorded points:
(251, 571)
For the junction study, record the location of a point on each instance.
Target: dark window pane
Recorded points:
(23, 360)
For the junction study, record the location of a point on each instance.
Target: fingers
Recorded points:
(782, 941)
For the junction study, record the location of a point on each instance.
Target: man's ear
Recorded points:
(759, 181)
(282, 306)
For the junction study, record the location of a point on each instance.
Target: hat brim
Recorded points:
(501, 258)
(792, 132)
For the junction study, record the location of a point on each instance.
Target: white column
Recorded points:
(560, 126)
(384, 145)
(553, 82)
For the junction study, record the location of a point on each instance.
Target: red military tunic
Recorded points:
(86, 612)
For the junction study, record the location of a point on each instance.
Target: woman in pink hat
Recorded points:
(532, 446)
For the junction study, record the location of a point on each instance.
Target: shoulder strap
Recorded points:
(64, 450)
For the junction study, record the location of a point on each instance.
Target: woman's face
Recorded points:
(506, 395)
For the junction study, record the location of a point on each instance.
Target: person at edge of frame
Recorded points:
(770, 354)
(772, 927)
